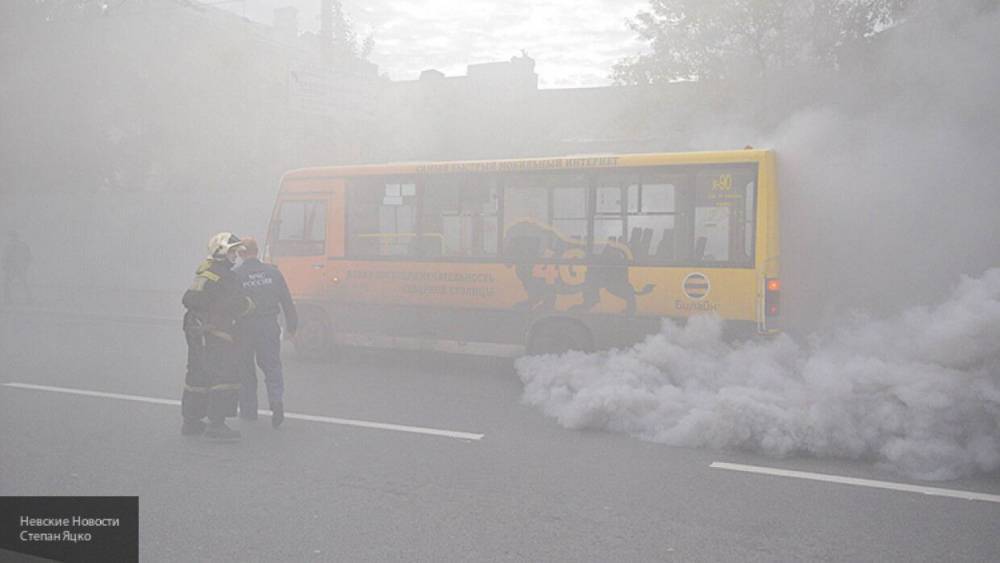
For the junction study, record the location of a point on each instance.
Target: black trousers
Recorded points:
(212, 382)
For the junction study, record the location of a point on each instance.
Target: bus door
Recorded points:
(303, 234)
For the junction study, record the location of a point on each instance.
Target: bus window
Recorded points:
(651, 218)
(711, 225)
(569, 212)
(723, 214)
(544, 214)
(748, 213)
(300, 229)
(525, 215)
(609, 222)
(459, 217)
(382, 221)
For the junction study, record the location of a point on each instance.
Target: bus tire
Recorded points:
(313, 340)
(558, 337)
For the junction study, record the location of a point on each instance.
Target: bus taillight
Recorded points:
(772, 297)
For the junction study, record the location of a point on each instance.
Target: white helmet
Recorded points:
(220, 244)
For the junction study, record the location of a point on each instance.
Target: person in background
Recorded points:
(260, 331)
(214, 303)
(16, 259)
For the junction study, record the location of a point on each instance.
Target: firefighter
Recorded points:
(214, 303)
(261, 333)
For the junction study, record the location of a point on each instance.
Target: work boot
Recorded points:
(219, 431)
(193, 427)
(277, 413)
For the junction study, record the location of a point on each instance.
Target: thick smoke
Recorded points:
(889, 185)
(889, 195)
(918, 394)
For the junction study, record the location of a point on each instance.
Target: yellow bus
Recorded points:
(533, 255)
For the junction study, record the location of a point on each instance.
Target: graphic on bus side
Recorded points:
(543, 283)
(696, 286)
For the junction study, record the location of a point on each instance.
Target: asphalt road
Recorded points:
(527, 491)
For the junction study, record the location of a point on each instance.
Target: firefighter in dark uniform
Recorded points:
(214, 303)
(261, 333)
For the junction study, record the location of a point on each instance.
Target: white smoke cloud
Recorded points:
(918, 393)
(888, 193)
(888, 183)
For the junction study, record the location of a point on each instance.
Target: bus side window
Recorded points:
(382, 217)
(525, 219)
(711, 224)
(397, 219)
(550, 208)
(300, 229)
(748, 220)
(439, 228)
(665, 249)
(723, 214)
(651, 217)
(609, 218)
(459, 216)
(569, 213)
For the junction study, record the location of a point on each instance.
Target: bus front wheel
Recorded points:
(559, 337)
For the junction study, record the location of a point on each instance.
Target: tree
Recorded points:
(732, 39)
(341, 36)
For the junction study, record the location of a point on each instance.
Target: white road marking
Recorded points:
(933, 491)
(145, 320)
(308, 417)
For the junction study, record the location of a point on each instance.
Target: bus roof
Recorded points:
(570, 162)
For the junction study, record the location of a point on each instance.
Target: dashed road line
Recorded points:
(933, 491)
(307, 417)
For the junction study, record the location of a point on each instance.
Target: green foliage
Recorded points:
(733, 39)
(345, 41)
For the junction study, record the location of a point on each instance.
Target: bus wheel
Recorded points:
(312, 340)
(559, 337)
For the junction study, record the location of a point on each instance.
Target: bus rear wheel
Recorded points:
(313, 340)
(559, 337)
